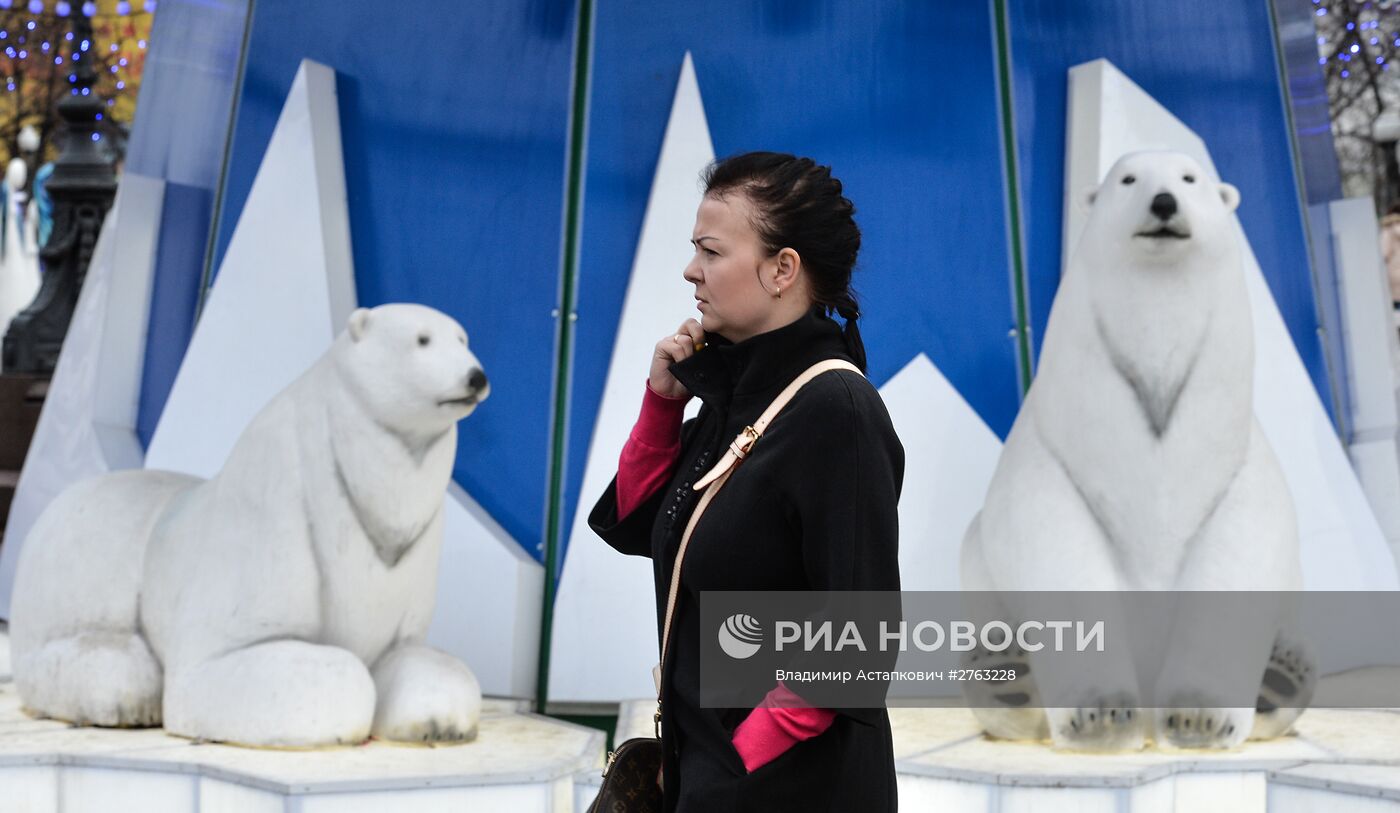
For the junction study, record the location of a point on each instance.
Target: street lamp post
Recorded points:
(82, 187)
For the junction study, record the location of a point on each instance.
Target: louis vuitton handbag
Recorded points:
(631, 777)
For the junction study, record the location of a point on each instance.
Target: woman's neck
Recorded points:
(784, 313)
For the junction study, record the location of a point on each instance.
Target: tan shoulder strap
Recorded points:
(717, 476)
(740, 446)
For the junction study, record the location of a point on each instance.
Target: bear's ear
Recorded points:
(1087, 198)
(358, 323)
(1230, 195)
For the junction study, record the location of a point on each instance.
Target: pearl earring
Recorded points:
(779, 293)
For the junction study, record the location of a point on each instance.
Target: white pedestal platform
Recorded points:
(518, 762)
(1338, 761)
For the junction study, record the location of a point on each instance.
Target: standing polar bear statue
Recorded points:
(283, 602)
(1136, 464)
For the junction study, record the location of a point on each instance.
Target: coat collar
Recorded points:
(726, 371)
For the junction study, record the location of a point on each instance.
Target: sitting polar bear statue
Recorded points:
(283, 602)
(1135, 464)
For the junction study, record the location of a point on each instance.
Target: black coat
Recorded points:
(813, 507)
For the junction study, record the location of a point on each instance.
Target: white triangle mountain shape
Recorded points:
(950, 452)
(67, 444)
(599, 588)
(949, 457)
(284, 290)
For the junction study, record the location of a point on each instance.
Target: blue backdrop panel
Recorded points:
(899, 98)
(1321, 179)
(1307, 95)
(454, 122)
(1211, 64)
(180, 247)
(186, 103)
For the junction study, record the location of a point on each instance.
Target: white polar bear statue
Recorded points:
(283, 602)
(1136, 464)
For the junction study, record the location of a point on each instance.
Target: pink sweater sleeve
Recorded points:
(781, 721)
(651, 450)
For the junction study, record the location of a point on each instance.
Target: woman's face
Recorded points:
(728, 263)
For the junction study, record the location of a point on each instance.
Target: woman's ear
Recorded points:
(789, 265)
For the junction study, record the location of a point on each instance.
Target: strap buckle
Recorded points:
(741, 445)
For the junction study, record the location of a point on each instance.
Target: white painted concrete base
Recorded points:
(1318, 787)
(1338, 761)
(518, 762)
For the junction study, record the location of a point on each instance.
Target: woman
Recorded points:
(812, 507)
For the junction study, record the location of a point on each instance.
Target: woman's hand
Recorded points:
(676, 347)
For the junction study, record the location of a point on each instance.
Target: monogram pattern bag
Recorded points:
(629, 780)
(630, 777)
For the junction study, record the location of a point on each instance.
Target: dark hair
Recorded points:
(799, 205)
(1394, 209)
